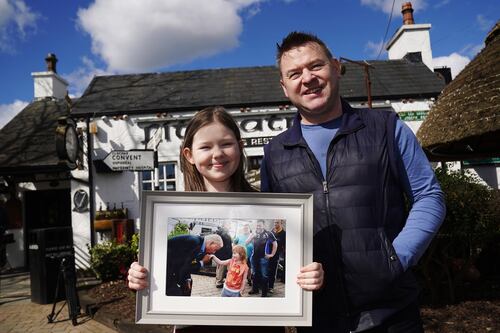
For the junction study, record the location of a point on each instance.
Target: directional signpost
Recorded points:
(130, 160)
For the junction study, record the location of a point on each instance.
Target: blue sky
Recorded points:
(101, 37)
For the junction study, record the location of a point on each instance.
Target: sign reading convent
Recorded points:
(130, 160)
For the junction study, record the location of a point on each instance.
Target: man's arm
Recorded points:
(265, 185)
(428, 209)
(250, 238)
(273, 250)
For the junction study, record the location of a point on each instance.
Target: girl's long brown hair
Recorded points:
(193, 180)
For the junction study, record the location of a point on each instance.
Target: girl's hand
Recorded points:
(311, 277)
(137, 277)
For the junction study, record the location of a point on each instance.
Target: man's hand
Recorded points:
(311, 277)
(206, 259)
(137, 277)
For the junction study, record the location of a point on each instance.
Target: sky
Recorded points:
(106, 37)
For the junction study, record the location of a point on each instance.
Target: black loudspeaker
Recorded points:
(47, 247)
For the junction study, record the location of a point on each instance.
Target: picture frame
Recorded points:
(165, 214)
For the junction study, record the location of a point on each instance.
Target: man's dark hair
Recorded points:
(295, 39)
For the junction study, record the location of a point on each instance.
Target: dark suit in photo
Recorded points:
(184, 256)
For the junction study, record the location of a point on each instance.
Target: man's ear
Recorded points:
(336, 66)
(188, 155)
(283, 87)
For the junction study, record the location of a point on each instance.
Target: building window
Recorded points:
(166, 178)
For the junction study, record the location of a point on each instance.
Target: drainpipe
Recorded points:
(368, 82)
(91, 185)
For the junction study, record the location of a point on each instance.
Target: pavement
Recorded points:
(205, 286)
(18, 314)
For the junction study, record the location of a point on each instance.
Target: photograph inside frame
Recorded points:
(225, 257)
(182, 243)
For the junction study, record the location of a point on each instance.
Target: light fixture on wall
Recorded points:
(93, 127)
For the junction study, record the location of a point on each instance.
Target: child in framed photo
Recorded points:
(236, 274)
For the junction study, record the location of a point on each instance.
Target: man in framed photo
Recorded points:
(187, 254)
(280, 235)
(361, 165)
(264, 249)
(224, 253)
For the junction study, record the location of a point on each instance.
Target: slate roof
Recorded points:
(27, 142)
(465, 121)
(242, 87)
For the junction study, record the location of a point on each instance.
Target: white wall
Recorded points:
(412, 38)
(49, 84)
(411, 112)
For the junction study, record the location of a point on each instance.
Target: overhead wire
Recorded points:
(386, 30)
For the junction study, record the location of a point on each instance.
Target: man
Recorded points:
(280, 235)
(224, 253)
(358, 164)
(187, 254)
(264, 248)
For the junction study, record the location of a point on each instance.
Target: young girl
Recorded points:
(212, 160)
(237, 272)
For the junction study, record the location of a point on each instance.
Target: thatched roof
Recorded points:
(465, 121)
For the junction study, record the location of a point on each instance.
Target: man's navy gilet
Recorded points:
(358, 210)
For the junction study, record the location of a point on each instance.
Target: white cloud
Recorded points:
(441, 3)
(142, 35)
(455, 61)
(373, 49)
(16, 20)
(9, 111)
(386, 5)
(470, 50)
(485, 24)
(80, 78)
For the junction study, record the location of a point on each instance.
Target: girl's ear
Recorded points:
(188, 155)
(241, 145)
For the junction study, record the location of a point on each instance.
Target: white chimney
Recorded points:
(411, 38)
(49, 83)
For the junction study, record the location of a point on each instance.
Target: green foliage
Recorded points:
(472, 211)
(110, 260)
(134, 244)
(471, 224)
(179, 229)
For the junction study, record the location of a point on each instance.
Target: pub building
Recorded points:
(89, 179)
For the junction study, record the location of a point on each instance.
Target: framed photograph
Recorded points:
(225, 258)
